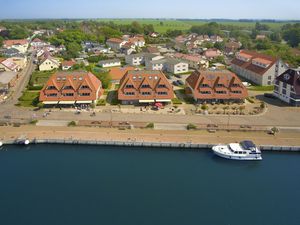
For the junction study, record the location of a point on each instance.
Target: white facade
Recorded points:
(110, 64)
(48, 65)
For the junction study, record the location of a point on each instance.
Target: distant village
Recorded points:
(149, 74)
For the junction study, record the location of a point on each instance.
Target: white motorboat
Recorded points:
(245, 150)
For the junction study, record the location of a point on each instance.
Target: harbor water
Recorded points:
(88, 185)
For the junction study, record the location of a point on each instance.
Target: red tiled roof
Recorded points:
(15, 42)
(68, 63)
(139, 78)
(76, 80)
(269, 60)
(117, 73)
(229, 81)
(115, 40)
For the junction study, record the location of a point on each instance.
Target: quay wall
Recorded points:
(186, 146)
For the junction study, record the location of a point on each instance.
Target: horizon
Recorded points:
(176, 9)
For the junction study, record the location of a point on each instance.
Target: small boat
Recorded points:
(1, 144)
(245, 150)
(26, 142)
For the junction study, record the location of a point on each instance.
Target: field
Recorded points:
(186, 24)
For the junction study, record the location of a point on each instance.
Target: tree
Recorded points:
(161, 23)
(73, 49)
(260, 27)
(292, 35)
(136, 28)
(219, 45)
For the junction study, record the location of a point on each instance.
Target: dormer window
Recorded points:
(235, 85)
(204, 85)
(220, 85)
(129, 86)
(51, 88)
(161, 86)
(68, 87)
(145, 86)
(84, 87)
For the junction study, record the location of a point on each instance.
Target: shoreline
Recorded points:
(284, 141)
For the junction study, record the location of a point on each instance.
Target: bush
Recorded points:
(34, 88)
(72, 124)
(251, 100)
(33, 122)
(191, 126)
(204, 107)
(176, 101)
(150, 125)
(101, 102)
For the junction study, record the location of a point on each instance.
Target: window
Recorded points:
(146, 93)
(284, 91)
(161, 86)
(51, 88)
(162, 93)
(235, 85)
(284, 85)
(269, 77)
(129, 86)
(237, 92)
(85, 94)
(69, 94)
(220, 85)
(52, 95)
(145, 86)
(221, 92)
(204, 85)
(129, 93)
(84, 87)
(67, 87)
(205, 92)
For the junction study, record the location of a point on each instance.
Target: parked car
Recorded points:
(180, 82)
(269, 95)
(175, 83)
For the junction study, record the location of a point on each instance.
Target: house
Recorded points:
(154, 35)
(48, 63)
(21, 45)
(135, 59)
(215, 86)
(10, 52)
(66, 65)
(8, 65)
(69, 88)
(144, 87)
(7, 80)
(287, 87)
(20, 60)
(232, 47)
(176, 66)
(138, 41)
(115, 43)
(117, 73)
(212, 53)
(152, 50)
(195, 61)
(37, 43)
(258, 68)
(260, 37)
(109, 63)
(128, 48)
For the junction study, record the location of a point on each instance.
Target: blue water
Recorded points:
(87, 185)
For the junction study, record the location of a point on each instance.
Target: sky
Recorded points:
(194, 9)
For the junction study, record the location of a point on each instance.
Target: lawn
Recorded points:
(187, 24)
(39, 78)
(29, 99)
(261, 88)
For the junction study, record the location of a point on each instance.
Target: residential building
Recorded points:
(117, 73)
(144, 87)
(258, 68)
(10, 52)
(109, 63)
(212, 53)
(232, 47)
(21, 45)
(48, 63)
(152, 50)
(115, 43)
(69, 88)
(66, 65)
(8, 65)
(37, 43)
(128, 48)
(138, 41)
(195, 61)
(137, 59)
(287, 87)
(176, 66)
(7, 80)
(20, 60)
(215, 86)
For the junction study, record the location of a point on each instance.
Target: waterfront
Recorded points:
(64, 184)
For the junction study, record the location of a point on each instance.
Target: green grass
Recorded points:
(29, 99)
(187, 24)
(261, 88)
(39, 78)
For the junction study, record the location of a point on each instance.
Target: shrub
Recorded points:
(72, 124)
(101, 102)
(191, 126)
(204, 107)
(176, 101)
(33, 122)
(150, 125)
